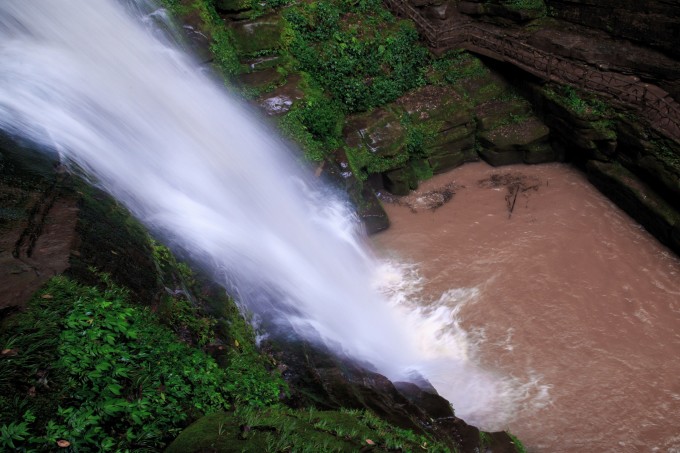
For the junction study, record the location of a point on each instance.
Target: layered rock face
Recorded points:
(604, 78)
(647, 22)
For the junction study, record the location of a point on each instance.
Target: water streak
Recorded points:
(97, 81)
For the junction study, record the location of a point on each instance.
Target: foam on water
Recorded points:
(97, 81)
(448, 353)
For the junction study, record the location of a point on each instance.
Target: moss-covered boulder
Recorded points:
(583, 124)
(446, 123)
(281, 99)
(257, 36)
(524, 141)
(379, 132)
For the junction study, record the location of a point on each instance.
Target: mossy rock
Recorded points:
(505, 12)
(453, 139)
(658, 159)
(261, 63)
(379, 131)
(485, 88)
(262, 81)
(539, 153)
(526, 141)
(400, 181)
(431, 104)
(517, 135)
(496, 112)
(233, 6)
(499, 158)
(257, 36)
(280, 429)
(112, 241)
(444, 162)
(280, 100)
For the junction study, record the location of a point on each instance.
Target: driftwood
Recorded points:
(515, 183)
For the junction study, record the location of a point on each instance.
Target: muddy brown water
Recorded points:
(572, 292)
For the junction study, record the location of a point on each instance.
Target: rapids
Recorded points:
(567, 286)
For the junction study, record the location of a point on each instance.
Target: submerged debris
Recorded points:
(430, 200)
(515, 183)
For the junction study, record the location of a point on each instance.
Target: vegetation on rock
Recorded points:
(88, 367)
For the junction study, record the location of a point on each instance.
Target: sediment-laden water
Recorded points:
(565, 293)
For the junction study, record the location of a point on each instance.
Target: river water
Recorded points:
(572, 298)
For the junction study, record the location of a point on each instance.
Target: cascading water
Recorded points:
(87, 78)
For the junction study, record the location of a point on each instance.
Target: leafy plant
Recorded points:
(530, 5)
(358, 70)
(122, 381)
(455, 66)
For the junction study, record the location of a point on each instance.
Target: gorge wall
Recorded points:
(602, 76)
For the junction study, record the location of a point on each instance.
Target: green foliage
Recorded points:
(14, 432)
(185, 321)
(484, 439)
(120, 380)
(322, 117)
(174, 6)
(666, 152)
(528, 5)
(360, 71)
(281, 429)
(292, 127)
(578, 102)
(315, 123)
(363, 162)
(519, 447)
(455, 66)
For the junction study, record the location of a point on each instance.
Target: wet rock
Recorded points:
(337, 172)
(281, 99)
(379, 131)
(638, 199)
(400, 181)
(451, 120)
(329, 382)
(261, 63)
(652, 23)
(494, 112)
(38, 214)
(258, 35)
(264, 80)
(599, 50)
(495, 12)
(526, 141)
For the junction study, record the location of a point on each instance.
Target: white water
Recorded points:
(107, 92)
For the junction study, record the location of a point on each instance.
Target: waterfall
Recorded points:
(93, 80)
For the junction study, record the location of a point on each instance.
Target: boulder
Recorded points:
(258, 35)
(380, 132)
(526, 141)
